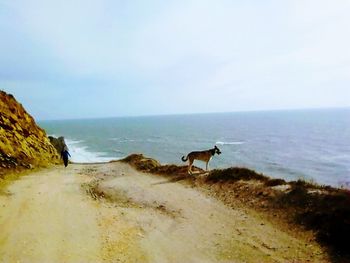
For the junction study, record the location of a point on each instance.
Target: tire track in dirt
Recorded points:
(48, 217)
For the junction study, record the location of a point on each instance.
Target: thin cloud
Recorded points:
(178, 55)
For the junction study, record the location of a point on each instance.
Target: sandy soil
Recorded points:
(48, 217)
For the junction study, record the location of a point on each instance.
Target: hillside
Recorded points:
(23, 144)
(295, 206)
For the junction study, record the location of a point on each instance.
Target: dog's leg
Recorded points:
(190, 167)
(206, 166)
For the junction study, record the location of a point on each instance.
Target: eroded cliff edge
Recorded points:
(23, 144)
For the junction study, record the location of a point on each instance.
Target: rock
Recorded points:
(22, 141)
(58, 143)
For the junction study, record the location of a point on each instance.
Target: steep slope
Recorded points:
(22, 142)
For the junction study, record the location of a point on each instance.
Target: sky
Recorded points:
(103, 58)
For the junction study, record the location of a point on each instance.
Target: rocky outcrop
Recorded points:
(58, 143)
(22, 142)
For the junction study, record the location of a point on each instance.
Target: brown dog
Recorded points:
(204, 156)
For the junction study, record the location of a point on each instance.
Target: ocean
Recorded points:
(313, 145)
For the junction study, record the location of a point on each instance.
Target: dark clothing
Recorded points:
(64, 156)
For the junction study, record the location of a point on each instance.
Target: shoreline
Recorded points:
(295, 150)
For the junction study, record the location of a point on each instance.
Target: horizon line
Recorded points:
(198, 113)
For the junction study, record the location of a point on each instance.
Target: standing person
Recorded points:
(64, 156)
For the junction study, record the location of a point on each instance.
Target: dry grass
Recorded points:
(234, 174)
(325, 211)
(150, 165)
(322, 209)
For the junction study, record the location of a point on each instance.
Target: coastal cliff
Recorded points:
(294, 205)
(58, 143)
(22, 142)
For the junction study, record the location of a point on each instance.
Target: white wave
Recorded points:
(229, 143)
(121, 140)
(127, 140)
(72, 142)
(68, 141)
(80, 153)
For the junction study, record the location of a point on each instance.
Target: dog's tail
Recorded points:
(184, 159)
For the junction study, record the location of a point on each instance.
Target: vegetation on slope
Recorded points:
(23, 144)
(322, 209)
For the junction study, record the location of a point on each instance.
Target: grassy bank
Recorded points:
(323, 209)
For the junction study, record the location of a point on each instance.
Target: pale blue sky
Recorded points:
(85, 58)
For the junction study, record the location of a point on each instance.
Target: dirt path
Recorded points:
(48, 217)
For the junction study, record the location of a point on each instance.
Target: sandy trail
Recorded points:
(48, 217)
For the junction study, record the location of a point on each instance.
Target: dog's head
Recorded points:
(217, 150)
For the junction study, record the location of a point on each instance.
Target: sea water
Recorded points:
(312, 145)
